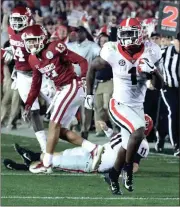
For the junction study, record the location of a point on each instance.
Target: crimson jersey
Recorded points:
(20, 54)
(55, 62)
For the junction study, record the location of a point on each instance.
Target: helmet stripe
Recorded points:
(127, 22)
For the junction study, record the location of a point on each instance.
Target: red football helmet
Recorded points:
(35, 38)
(149, 124)
(20, 18)
(129, 32)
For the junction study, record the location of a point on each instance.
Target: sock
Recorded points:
(109, 132)
(128, 166)
(47, 160)
(36, 156)
(41, 137)
(22, 167)
(114, 174)
(88, 145)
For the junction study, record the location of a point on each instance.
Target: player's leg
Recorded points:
(94, 149)
(12, 165)
(73, 160)
(86, 118)
(73, 137)
(7, 94)
(15, 108)
(24, 85)
(27, 155)
(130, 120)
(99, 112)
(133, 145)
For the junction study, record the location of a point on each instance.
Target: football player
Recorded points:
(20, 18)
(132, 62)
(55, 61)
(80, 160)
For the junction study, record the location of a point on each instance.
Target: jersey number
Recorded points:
(132, 71)
(51, 74)
(115, 140)
(170, 20)
(60, 47)
(18, 54)
(143, 151)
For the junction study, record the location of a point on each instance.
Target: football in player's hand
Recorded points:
(145, 66)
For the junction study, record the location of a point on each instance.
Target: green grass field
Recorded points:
(157, 183)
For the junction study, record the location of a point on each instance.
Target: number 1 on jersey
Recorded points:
(132, 71)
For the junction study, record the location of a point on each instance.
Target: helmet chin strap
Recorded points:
(33, 51)
(127, 42)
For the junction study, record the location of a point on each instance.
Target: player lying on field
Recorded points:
(78, 159)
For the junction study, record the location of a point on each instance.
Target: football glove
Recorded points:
(26, 114)
(8, 55)
(146, 66)
(89, 102)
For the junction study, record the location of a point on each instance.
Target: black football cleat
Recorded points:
(127, 177)
(27, 155)
(114, 185)
(11, 165)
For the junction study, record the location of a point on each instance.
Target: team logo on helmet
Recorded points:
(49, 55)
(122, 62)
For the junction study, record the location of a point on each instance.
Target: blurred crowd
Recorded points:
(96, 21)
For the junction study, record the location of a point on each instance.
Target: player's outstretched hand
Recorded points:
(89, 102)
(8, 56)
(146, 66)
(26, 113)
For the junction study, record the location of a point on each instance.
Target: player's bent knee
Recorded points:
(54, 125)
(138, 134)
(63, 133)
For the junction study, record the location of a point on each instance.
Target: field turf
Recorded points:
(156, 183)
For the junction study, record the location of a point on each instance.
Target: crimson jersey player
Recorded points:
(20, 18)
(55, 61)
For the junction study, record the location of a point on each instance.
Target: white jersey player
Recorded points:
(79, 159)
(133, 63)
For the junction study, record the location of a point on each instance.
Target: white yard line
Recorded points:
(54, 174)
(86, 198)
(153, 154)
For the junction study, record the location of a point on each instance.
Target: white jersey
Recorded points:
(129, 85)
(79, 160)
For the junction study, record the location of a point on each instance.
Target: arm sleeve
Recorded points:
(77, 59)
(105, 52)
(35, 87)
(96, 50)
(137, 158)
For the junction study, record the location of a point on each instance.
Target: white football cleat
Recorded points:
(38, 167)
(96, 156)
